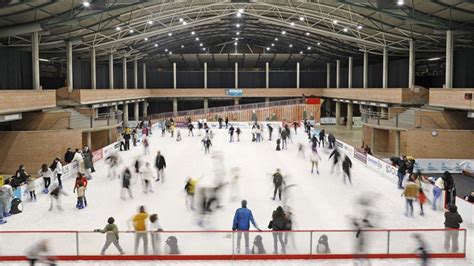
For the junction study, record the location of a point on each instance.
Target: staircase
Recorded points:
(77, 120)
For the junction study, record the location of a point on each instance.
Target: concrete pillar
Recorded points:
(145, 109)
(372, 139)
(236, 78)
(136, 112)
(174, 76)
(89, 139)
(397, 143)
(70, 81)
(350, 112)
(175, 106)
(297, 75)
(365, 71)
(383, 112)
(205, 75)
(111, 71)
(109, 136)
(338, 113)
(349, 72)
(328, 75)
(135, 73)
(338, 74)
(411, 65)
(385, 68)
(125, 114)
(93, 70)
(144, 75)
(267, 75)
(267, 101)
(236, 101)
(206, 104)
(35, 60)
(449, 59)
(124, 72)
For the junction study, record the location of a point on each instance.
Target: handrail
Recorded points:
(398, 117)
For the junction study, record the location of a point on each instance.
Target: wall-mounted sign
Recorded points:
(234, 92)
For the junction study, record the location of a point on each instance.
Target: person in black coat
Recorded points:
(126, 137)
(336, 154)
(69, 155)
(322, 135)
(346, 168)
(231, 132)
(190, 128)
(278, 223)
(220, 122)
(270, 131)
(402, 168)
(160, 165)
(278, 183)
(20, 176)
(226, 122)
(331, 141)
(278, 144)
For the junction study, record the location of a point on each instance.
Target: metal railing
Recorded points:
(377, 242)
(231, 108)
(398, 120)
(101, 120)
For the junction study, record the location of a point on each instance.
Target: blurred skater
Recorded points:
(160, 164)
(38, 253)
(336, 154)
(126, 182)
(314, 159)
(346, 169)
(147, 177)
(111, 236)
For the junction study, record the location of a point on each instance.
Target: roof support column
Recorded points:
(144, 75)
(93, 70)
(69, 66)
(338, 73)
(365, 72)
(385, 68)
(124, 72)
(297, 75)
(135, 73)
(174, 76)
(267, 75)
(411, 64)
(111, 71)
(236, 78)
(449, 59)
(328, 75)
(35, 60)
(349, 72)
(205, 75)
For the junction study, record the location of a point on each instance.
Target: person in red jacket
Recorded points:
(80, 179)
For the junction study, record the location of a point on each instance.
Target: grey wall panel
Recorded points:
(118, 76)
(282, 79)
(15, 69)
(81, 74)
(312, 79)
(252, 79)
(102, 76)
(221, 79)
(398, 73)
(159, 79)
(463, 76)
(190, 79)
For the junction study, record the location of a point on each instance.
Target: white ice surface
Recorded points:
(318, 201)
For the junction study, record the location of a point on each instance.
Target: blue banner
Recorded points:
(234, 92)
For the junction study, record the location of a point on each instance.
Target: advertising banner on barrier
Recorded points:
(442, 165)
(234, 92)
(360, 155)
(97, 155)
(375, 163)
(109, 149)
(328, 120)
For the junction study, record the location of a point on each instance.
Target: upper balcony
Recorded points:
(17, 101)
(452, 98)
(82, 97)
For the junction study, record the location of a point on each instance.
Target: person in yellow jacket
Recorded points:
(190, 189)
(139, 225)
(411, 193)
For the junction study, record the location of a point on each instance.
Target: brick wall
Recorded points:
(33, 148)
(26, 100)
(42, 121)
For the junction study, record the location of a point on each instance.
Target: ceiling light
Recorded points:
(170, 52)
(400, 3)
(43, 60)
(150, 22)
(146, 39)
(291, 45)
(292, 24)
(235, 43)
(359, 27)
(345, 29)
(156, 45)
(276, 39)
(166, 50)
(301, 52)
(181, 19)
(185, 23)
(273, 44)
(118, 28)
(241, 10)
(204, 49)
(238, 33)
(236, 39)
(131, 31)
(237, 25)
(434, 59)
(192, 32)
(86, 4)
(197, 39)
(309, 48)
(268, 48)
(301, 18)
(201, 44)
(283, 32)
(318, 43)
(335, 21)
(182, 46)
(239, 15)
(307, 33)
(169, 34)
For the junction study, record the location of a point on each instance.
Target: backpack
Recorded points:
(17, 206)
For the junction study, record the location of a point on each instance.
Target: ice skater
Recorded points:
(113, 162)
(301, 149)
(270, 131)
(126, 182)
(231, 133)
(46, 173)
(146, 145)
(335, 154)
(277, 183)
(278, 141)
(322, 136)
(155, 229)
(111, 237)
(190, 189)
(242, 219)
(160, 164)
(207, 144)
(178, 135)
(190, 129)
(346, 169)
(314, 159)
(238, 131)
(284, 135)
(147, 177)
(55, 194)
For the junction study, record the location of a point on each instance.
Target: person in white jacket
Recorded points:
(31, 187)
(46, 173)
(147, 176)
(6, 196)
(57, 168)
(155, 229)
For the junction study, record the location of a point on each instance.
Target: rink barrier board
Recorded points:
(244, 257)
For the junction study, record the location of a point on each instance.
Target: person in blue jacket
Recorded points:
(242, 219)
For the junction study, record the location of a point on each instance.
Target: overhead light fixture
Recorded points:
(43, 59)
(146, 39)
(434, 59)
(237, 25)
(345, 29)
(166, 50)
(170, 52)
(301, 18)
(236, 39)
(335, 21)
(131, 31)
(170, 34)
(309, 48)
(197, 39)
(291, 45)
(283, 32)
(276, 39)
(150, 22)
(318, 43)
(400, 2)
(182, 46)
(181, 19)
(240, 10)
(273, 44)
(239, 15)
(301, 52)
(238, 33)
(201, 44)
(268, 48)
(185, 23)
(118, 28)
(359, 27)
(156, 45)
(86, 4)
(292, 24)
(307, 33)
(204, 49)
(235, 43)
(192, 32)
